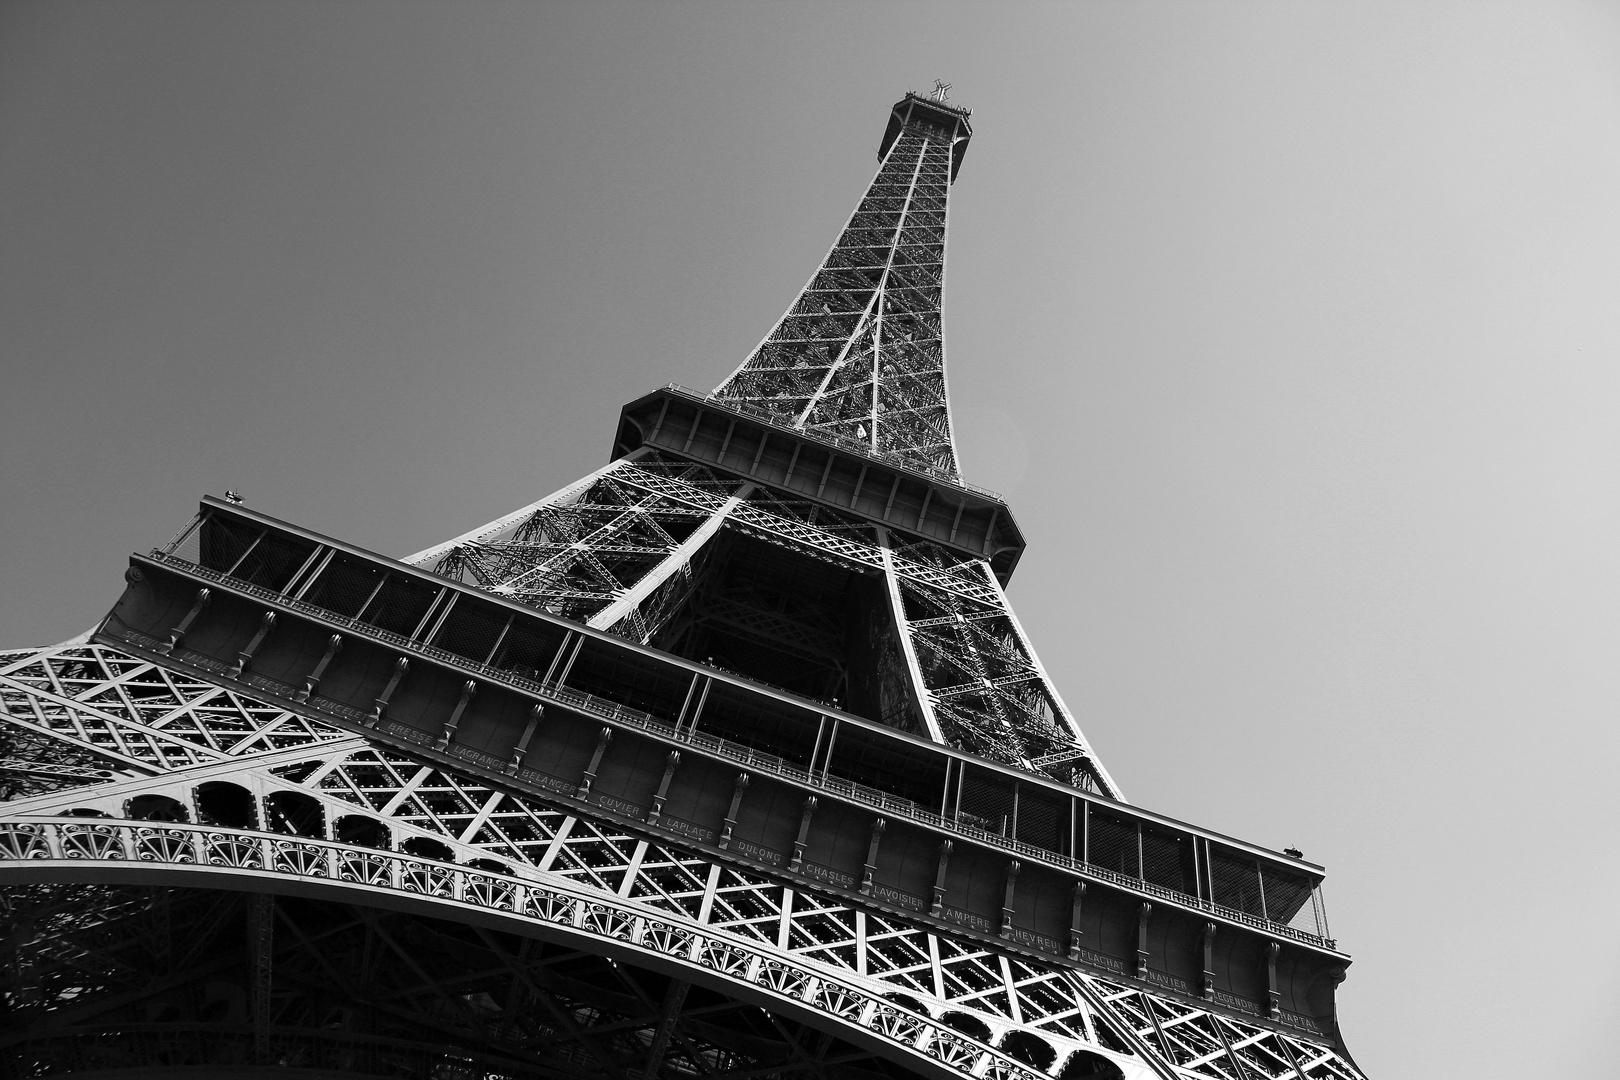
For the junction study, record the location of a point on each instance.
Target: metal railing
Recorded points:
(566, 906)
(840, 442)
(940, 103)
(745, 756)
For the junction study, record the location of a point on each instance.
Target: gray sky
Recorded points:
(1287, 327)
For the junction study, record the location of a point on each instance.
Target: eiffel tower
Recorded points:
(728, 759)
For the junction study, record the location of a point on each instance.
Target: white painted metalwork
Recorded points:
(897, 611)
(108, 760)
(677, 561)
(506, 521)
(585, 874)
(601, 553)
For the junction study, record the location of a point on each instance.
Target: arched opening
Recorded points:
(361, 831)
(490, 866)
(906, 1001)
(85, 811)
(971, 1026)
(157, 808)
(1084, 1065)
(294, 813)
(1110, 1038)
(1030, 1049)
(223, 1003)
(423, 848)
(327, 949)
(221, 803)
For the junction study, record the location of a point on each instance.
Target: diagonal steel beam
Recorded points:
(674, 998)
(897, 612)
(627, 601)
(506, 521)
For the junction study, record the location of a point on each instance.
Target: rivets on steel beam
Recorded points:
(313, 681)
(602, 740)
(448, 735)
(177, 634)
(730, 822)
(870, 869)
(537, 712)
(402, 667)
(245, 657)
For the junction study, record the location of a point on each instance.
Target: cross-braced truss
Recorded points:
(83, 714)
(622, 551)
(196, 877)
(266, 798)
(860, 355)
(147, 974)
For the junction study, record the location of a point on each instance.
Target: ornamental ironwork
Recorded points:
(730, 757)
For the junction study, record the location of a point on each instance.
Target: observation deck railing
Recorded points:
(838, 442)
(746, 756)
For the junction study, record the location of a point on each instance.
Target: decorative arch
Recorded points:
(69, 849)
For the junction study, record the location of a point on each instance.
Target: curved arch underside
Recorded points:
(198, 977)
(144, 926)
(71, 880)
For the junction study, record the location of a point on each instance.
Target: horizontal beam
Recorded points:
(902, 742)
(597, 709)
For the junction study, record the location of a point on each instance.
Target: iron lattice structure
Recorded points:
(728, 759)
(860, 356)
(667, 552)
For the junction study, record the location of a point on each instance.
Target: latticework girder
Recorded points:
(860, 355)
(558, 883)
(619, 552)
(352, 990)
(643, 780)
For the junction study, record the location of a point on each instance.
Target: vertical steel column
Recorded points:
(261, 946)
(402, 667)
(602, 740)
(657, 810)
(312, 681)
(1142, 953)
(804, 834)
(178, 633)
(1007, 897)
(536, 713)
(1209, 961)
(1273, 995)
(448, 734)
(1076, 913)
(730, 822)
(938, 903)
(245, 657)
(869, 869)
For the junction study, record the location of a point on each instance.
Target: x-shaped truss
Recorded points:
(528, 839)
(619, 550)
(860, 355)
